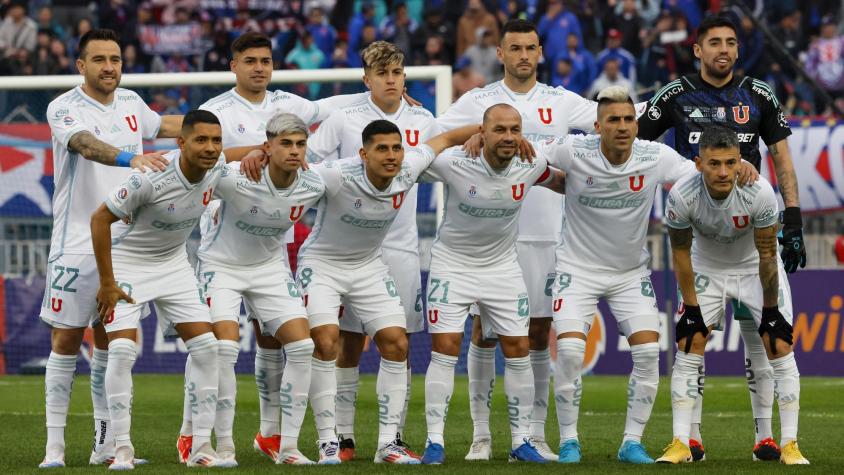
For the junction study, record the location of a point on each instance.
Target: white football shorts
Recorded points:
(537, 260)
(70, 294)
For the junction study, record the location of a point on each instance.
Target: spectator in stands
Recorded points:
(217, 58)
(44, 62)
(476, 16)
(119, 15)
(398, 29)
(82, 26)
(464, 79)
(508, 9)
(59, 51)
(131, 62)
(555, 27)
(47, 22)
(648, 9)
(690, 9)
(435, 25)
(324, 35)
(17, 32)
(435, 52)
(484, 56)
(365, 17)
(825, 60)
(751, 47)
(626, 61)
(790, 33)
(611, 76)
(307, 56)
(582, 60)
(629, 23)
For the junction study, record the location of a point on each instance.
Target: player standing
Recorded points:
(341, 262)
(733, 255)
(148, 262)
(546, 112)
(474, 259)
(97, 132)
(749, 107)
(244, 112)
(340, 136)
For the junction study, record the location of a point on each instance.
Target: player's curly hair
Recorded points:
(380, 54)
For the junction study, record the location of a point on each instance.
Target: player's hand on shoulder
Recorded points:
(473, 147)
(411, 101)
(253, 163)
(154, 161)
(747, 174)
(526, 151)
(107, 297)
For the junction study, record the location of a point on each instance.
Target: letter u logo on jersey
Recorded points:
(296, 212)
(398, 200)
(636, 182)
(741, 221)
(56, 304)
(558, 304)
(206, 196)
(741, 114)
(542, 113)
(412, 141)
(133, 122)
(518, 191)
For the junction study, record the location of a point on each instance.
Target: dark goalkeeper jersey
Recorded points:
(746, 105)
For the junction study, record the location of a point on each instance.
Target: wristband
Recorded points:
(124, 159)
(791, 215)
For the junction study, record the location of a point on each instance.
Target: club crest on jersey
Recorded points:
(171, 208)
(254, 210)
(518, 191)
(296, 212)
(636, 182)
(473, 191)
(122, 193)
(741, 221)
(56, 304)
(411, 141)
(720, 113)
(133, 122)
(542, 113)
(741, 114)
(68, 120)
(358, 203)
(240, 128)
(398, 200)
(96, 130)
(590, 181)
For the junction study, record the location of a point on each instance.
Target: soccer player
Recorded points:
(546, 112)
(97, 132)
(341, 262)
(244, 112)
(340, 136)
(749, 107)
(148, 262)
(474, 260)
(241, 256)
(724, 243)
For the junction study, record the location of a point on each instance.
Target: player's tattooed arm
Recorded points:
(84, 143)
(171, 125)
(786, 177)
(109, 293)
(556, 182)
(681, 249)
(766, 245)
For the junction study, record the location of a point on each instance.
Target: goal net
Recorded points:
(26, 188)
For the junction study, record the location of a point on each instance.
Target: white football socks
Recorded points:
(122, 354)
(481, 368)
(321, 394)
(697, 410)
(103, 439)
(641, 389)
(439, 385)
(403, 418)
(268, 368)
(540, 361)
(58, 383)
(227, 352)
(295, 385)
(347, 395)
(568, 387)
(788, 395)
(519, 389)
(202, 386)
(684, 392)
(760, 379)
(391, 388)
(187, 418)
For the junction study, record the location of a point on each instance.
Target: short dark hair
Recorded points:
(197, 116)
(717, 137)
(518, 25)
(102, 34)
(378, 127)
(253, 39)
(714, 21)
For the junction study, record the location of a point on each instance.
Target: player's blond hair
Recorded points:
(285, 123)
(380, 54)
(613, 95)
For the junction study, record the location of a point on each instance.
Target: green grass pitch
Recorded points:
(727, 428)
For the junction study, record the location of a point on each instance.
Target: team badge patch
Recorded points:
(240, 128)
(720, 113)
(654, 113)
(358, 203)
(254, 210)
(122, 193)
(473, 191)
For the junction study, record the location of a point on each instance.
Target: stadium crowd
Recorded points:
(588, 44)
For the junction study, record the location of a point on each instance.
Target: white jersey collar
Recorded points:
(99, 105)
(279, 191)
(383, 115)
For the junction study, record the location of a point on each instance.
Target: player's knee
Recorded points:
(446, 343)
(698, 344)
(325, 343)
(538, 332)
(514, 347)
(66, 341)
(392, 346)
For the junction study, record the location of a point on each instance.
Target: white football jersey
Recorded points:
(245, 123)
(82, 184)
(353, 216)
(547, 112)
(340, 136)
(161, 208)
(480, 221)
(253, 217)
(723, 230)
(608, 207)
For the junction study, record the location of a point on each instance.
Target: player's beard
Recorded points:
(713, 70)
(521, 75)
(102, 88)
